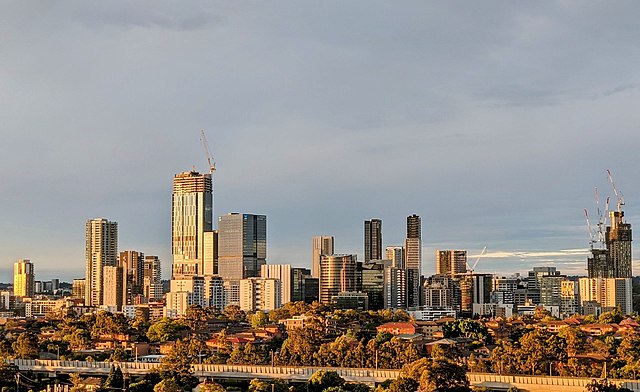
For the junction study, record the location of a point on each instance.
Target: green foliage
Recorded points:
(164, 330)
(259, 319)
(444, 375)
(177, 364)
(26, 346)
(469, 329)
(234, 313)
(322, 380)
(167, 385)
(115, 379)
(7, 373)
(268, 386)
(251, 354)
(211, 386)
(603, 385)
(614, 316)
(404, 384)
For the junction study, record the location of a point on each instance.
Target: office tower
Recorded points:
(283, 272)
(372, 240)
(618, 241)
(186, 291)
(101, 251)
(413, 259)
(152, 279)
(396, 255)
(132, 264)
(192, 211)
(321, 245)
(395, 288)
(351, 300)
(78, 287)
(534, 281)
(23, 278)
(260, 294)
(298, 277)
(242, 245)
(114, 295)
(337, 274)
(372, 275)
(451, 262)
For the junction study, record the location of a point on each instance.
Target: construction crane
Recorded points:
(210, 160)
(615, 191)
(471, 269)
(589, 228)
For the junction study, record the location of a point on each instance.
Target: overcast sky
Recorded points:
(493, 121)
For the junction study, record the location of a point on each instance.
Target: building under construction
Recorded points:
(611, 258)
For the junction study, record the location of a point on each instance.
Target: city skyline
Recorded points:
(504, 153)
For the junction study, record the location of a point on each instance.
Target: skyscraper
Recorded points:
(372, 240)
(451, 262)
(321, 245)
(242, 245)
(337, 274)
(413, 261)
(23, 278)
(101, 251)
(192, 206)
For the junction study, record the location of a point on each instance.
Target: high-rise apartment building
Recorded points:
(395, 288)
(186, 291)
(337, 274)
(372, 240)
(321, 245)
(413, 259)
(451, 262)
(152, 279)
(23, 278)
(242, 245)
(609, 293)
(192, 212)
(396, 255)
(132, 264)
(78, 288)
(260, 294)
(101, 251)
(372, 275)
(282, 272)
(113, 294)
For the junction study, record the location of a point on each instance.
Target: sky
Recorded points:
(493, 121)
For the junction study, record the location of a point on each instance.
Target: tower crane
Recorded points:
(471, 269)
(619, 195)
(210, 160)
(589, 229)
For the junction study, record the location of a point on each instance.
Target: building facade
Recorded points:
(101, 251)
(413, 259)
(242, 245)
(337, 274)
(23, 278)
(372, 240)
(282, 272)
(320, 245)
(451, 262)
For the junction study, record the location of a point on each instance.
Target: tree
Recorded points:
(115, 379)
(7, 373)
(603, 386)
(164, 330)
(322, 380)
(26, 346)
(443, 375)
(469, 329)
(234, 313)
(404, 384)
(264, 386)
(177, 365)
(167, 385)
(211, 386)
(612, 317)
(77, 382)
(259, 319)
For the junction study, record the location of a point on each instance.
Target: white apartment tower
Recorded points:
(283, 273)
(101, 251)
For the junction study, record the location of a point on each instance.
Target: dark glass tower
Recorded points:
(372, 240)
